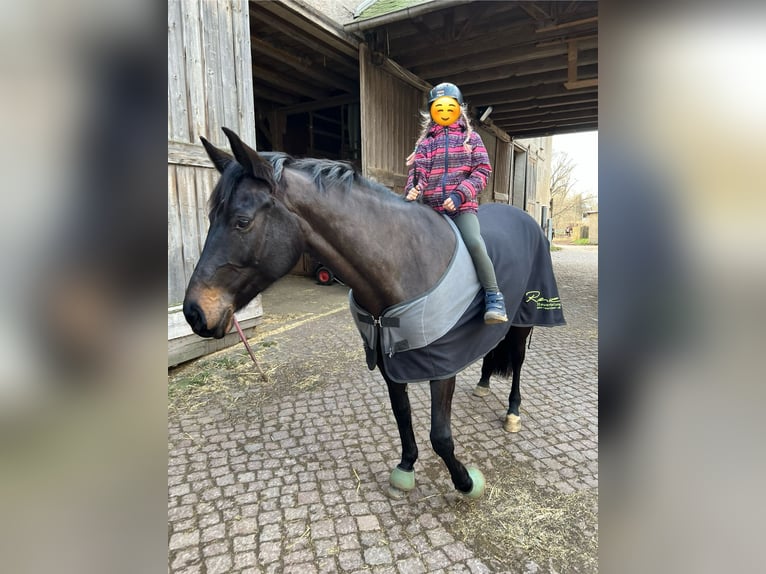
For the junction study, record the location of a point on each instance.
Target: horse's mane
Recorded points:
(324, 173)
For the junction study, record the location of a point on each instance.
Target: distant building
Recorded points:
(590, 227)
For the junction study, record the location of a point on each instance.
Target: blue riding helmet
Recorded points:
(445, 89)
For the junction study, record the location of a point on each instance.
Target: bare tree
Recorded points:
(567, 207)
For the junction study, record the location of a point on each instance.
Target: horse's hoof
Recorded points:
(480, 391)
(512, 423)
(395, 493)
(403, 480)
(477, 490)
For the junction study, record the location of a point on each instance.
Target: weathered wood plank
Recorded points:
(183, 153)
(213, 70)
(190, 347)
(184, 345)
(187, 202)
(244, 75)
(390, 120)
(194, 68)
(176, 278)
(178, 327)
(227, 66)
(396, 181)
(204, 182)
(178, 114)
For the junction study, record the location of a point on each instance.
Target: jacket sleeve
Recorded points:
(476, 181)
(420, 170)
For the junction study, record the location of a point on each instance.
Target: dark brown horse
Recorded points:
(268, 208)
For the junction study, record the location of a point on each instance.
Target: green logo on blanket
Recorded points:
(542, 303)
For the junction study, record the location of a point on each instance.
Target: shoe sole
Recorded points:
(491, 319)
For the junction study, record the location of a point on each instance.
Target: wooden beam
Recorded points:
(572, 61)
(266, 93)
(499, 86)
(552, 131)
(535, 11)
(582, 118)
(564, 25)
(513, 116)
(284, 82)
(488, 59)
(590, 83)
(319, 104)
(419, 51)
(590, 41)
(316, 25)
(542, 104)
(398, 71)
(349, 65)
(524, 94)
(522, 69)
(303, 65)
(490, 125)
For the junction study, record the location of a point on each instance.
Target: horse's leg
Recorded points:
(517, 338)
(487, 368)
(468, 481)
(403, 476)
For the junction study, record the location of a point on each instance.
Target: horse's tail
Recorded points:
(509, 353)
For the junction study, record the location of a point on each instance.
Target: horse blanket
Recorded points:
(422, 342)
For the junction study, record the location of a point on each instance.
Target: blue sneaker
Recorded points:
(494, 308)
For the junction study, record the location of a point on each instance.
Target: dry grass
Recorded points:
(230, 380)
(518, 521)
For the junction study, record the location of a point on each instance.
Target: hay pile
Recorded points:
(517, 522)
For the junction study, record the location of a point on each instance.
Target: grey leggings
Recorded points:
(468, 224)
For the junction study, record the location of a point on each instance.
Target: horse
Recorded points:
(268, 208)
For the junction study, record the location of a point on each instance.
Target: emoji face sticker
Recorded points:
(445, 110)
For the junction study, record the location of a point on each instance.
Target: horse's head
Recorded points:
(253, 240)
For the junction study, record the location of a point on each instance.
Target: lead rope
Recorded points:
(249, 350)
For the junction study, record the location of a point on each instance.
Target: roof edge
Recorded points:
(403, 14)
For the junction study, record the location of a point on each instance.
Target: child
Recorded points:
(450, 167)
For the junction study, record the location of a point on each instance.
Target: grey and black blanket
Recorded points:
(422, 344)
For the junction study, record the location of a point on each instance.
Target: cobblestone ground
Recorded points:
(290, 474)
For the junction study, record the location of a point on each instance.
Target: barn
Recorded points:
(346, 80)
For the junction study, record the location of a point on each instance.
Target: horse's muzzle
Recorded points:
(195, 316)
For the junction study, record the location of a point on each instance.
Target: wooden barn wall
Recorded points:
(210, 85)
(390, 117)
(490, 142)
(502, 172)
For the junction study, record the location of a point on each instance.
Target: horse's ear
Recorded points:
(219, 157)
(249, 158)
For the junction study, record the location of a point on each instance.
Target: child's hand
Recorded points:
(413, 194)
(449, 205)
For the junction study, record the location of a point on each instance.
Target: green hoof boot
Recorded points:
(477, 491)
(402, 481)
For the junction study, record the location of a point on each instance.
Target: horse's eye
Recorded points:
(243, 223)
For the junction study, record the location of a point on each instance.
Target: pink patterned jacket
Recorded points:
(443, 168)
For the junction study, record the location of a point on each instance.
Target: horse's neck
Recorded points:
(386, 251)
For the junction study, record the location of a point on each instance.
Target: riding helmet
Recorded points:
(445, 89)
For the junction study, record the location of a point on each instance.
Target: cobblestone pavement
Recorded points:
(289, 475)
